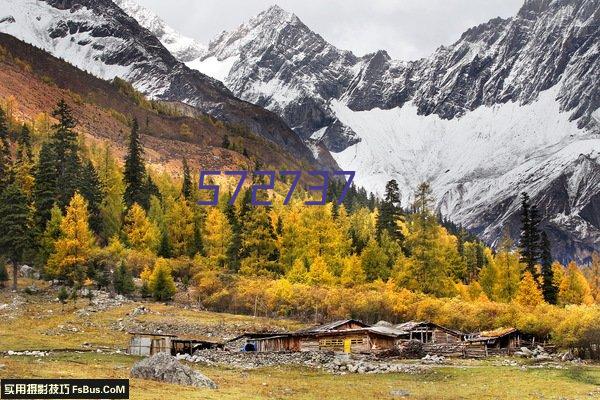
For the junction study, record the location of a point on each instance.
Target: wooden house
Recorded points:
(148, 344)
(428, 332)
(351, 336)
(189, 346)
(501, 341)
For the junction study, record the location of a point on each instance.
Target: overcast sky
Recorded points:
(407, 29)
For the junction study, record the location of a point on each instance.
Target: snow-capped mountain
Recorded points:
(182, 47)
(512, 106)
(99, 37)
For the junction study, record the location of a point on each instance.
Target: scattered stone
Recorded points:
(32, 353)
(26, 271)
(101, 301)
(31, 289)
(526, 352)
(141, 310)
(399, 393)
(326, 361)
(166, 368)
(568, 356)
(433, 359)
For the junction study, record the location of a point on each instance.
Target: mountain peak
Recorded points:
(275, 16)
(183, 48)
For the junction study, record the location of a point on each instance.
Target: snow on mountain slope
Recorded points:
(182, 47)
(473, 161)
(218, 69)
(47, 24)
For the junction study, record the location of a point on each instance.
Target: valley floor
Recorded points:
(466, 380)
(91, 339)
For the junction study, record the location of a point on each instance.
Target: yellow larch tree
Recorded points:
(574, 288)
(181, 227)
(72, 250)
(529, 294)
(217, 235)
(319, 274)
(141, 233)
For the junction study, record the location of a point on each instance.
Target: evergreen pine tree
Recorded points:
(529, 242)
(164, 248)
(136, 184)
(186, 189)
(5, 170)
(549, 288)
(66, 153)
(15, 226)
(70, 180)
(23, 164)
(390, 212)
(50, 235)
(226, 143)
(123, 280)
(91, 190)
(151, 188)
(24, 144)
(44, 189)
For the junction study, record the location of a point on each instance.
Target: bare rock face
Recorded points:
(166, 368)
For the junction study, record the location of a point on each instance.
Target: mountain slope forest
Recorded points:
(98, 189)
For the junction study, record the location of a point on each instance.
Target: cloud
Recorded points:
(407, 29)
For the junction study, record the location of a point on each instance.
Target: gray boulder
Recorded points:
(166, 368)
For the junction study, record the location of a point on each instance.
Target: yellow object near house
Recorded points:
(347, 346)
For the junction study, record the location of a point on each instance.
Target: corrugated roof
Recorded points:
(151, 334)
(410, 325)
(413, 325)
(331, 326)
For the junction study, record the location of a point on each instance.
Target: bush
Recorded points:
(123, 281)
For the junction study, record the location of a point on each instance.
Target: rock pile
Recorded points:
(318, 360)
(101, 301)
(344, 365)
(252, 360)
(166, 368)
(433, 359)
(539, 353)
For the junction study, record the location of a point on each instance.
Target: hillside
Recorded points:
(37, 80)
(97, 36)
